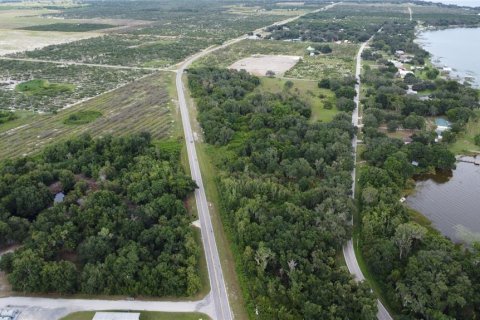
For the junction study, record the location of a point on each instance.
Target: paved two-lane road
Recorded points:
(348, 250)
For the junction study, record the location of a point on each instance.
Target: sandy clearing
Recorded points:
(260, 64)
(12, 41)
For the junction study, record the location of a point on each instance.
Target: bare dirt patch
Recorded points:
(260, 64)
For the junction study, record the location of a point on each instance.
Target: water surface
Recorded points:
(462, 3)
(457, 48)
(451, 201)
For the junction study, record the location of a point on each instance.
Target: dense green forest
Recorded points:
(285, 189)
(423, 274)
(122, 227)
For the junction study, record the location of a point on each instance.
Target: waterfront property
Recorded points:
(450, 200)
(442, 126)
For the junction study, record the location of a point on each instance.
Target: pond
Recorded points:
(451, 201)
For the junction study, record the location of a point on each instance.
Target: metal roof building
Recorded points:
(116, 316)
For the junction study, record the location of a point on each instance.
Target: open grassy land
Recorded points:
(225, 57)
(309, 91)
(24, 27)
(40, 87)
(144, 315)
(47, 91)
(465, 140)
(339, 62)
(122, 49)
(144, 105)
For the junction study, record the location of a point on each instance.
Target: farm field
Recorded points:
(144, 105)
(82, 82)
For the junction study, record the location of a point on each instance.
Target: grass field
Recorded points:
(310, 92)
(144, 315)
(465, 144)
(338, 63)
(142, 105)
(40, 87)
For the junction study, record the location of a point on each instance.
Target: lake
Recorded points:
(463, 3)
(451, 201)
(456, 48)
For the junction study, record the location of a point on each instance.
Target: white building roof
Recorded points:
(116, 316)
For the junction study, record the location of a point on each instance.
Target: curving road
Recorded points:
(348, 250)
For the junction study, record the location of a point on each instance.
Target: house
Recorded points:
(116, 316)
(410, 90)
(310, 49)
(415, 163)
(407, 140)
(399, 53)
(59, 197)
(402, 72)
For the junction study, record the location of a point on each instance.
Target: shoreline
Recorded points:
(450, 72)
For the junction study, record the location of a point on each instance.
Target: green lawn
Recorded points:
(465, 143)
(309, 91)
(40, 87)
(144, 315)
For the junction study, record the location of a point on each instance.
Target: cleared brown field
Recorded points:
(260, 64)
